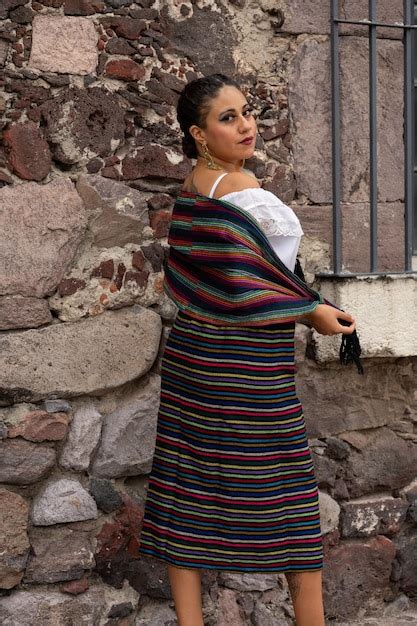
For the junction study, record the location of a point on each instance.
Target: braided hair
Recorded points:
(194, 105)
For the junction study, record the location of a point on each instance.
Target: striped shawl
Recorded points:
(222, 269)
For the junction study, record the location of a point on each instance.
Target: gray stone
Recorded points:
(62, 501)
(56, 406)
(67, 45)
(23, 312)
(384, 461)
(400, 604)
(128, 436)
(24, 462)
(86, 357)
(229, 610)
(58, 554)
(337, 400)
(156, 613)
(406, 558)
(263, 616)
(215, 28)
(329, 513)
(118, 213)
(50, 608)
(105, 495)
(14, 543)
(83, 438)
(325, 470)
(309, 100)
(44, 225)
(248, 581)
(373, 516)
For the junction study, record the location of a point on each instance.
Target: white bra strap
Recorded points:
(216, 183)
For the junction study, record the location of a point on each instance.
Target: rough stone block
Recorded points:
(81, 124)
(336, 399)
(375, 515)
(44, 226)
(355, 572)
(87, 357)
(67, 45)
(406, 559)
(23, 312)
(387, 12)
(14, 543)
(118, 214)
(36, 424)
(229, 611)
(58, 554)
(40, 607)
(329, 513)
(379, 460)
(309, 99)
(83, 438)
(28, 152)
(128, 435)
(311, 16)
(303, 16)
(61, 501)
(317, 225)
(23, 462)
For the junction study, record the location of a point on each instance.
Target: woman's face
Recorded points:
(229, 121)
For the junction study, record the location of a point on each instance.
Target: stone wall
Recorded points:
(90, 166)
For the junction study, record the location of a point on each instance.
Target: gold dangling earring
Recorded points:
(243, 163)
(209, 159)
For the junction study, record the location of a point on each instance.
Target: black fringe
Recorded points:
(298, 270)
(350, 348)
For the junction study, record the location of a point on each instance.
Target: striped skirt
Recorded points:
(232, 485)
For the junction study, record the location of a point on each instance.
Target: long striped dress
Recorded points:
(232, 485)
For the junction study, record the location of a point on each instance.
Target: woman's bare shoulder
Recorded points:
(235, 181)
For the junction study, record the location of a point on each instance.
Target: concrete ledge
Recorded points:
(385, 308)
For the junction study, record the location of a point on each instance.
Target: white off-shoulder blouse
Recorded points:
(278, 221)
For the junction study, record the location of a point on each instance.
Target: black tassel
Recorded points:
(350, 349)
(298, 270)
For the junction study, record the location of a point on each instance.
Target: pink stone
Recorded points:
(64, 44)
(74, 587)
(138, 259)
(160, 222)
(41, 426)
(29, 156)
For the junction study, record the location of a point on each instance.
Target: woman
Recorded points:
(232, 485)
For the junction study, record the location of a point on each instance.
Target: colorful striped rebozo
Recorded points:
(222, 269)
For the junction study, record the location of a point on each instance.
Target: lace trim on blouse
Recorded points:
(274, 217)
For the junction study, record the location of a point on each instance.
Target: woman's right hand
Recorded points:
(324, 320)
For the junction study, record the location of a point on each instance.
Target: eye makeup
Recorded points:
(246, 110)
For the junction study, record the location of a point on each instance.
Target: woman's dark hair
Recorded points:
(194, 105)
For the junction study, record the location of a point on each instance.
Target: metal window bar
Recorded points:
(372, 24)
